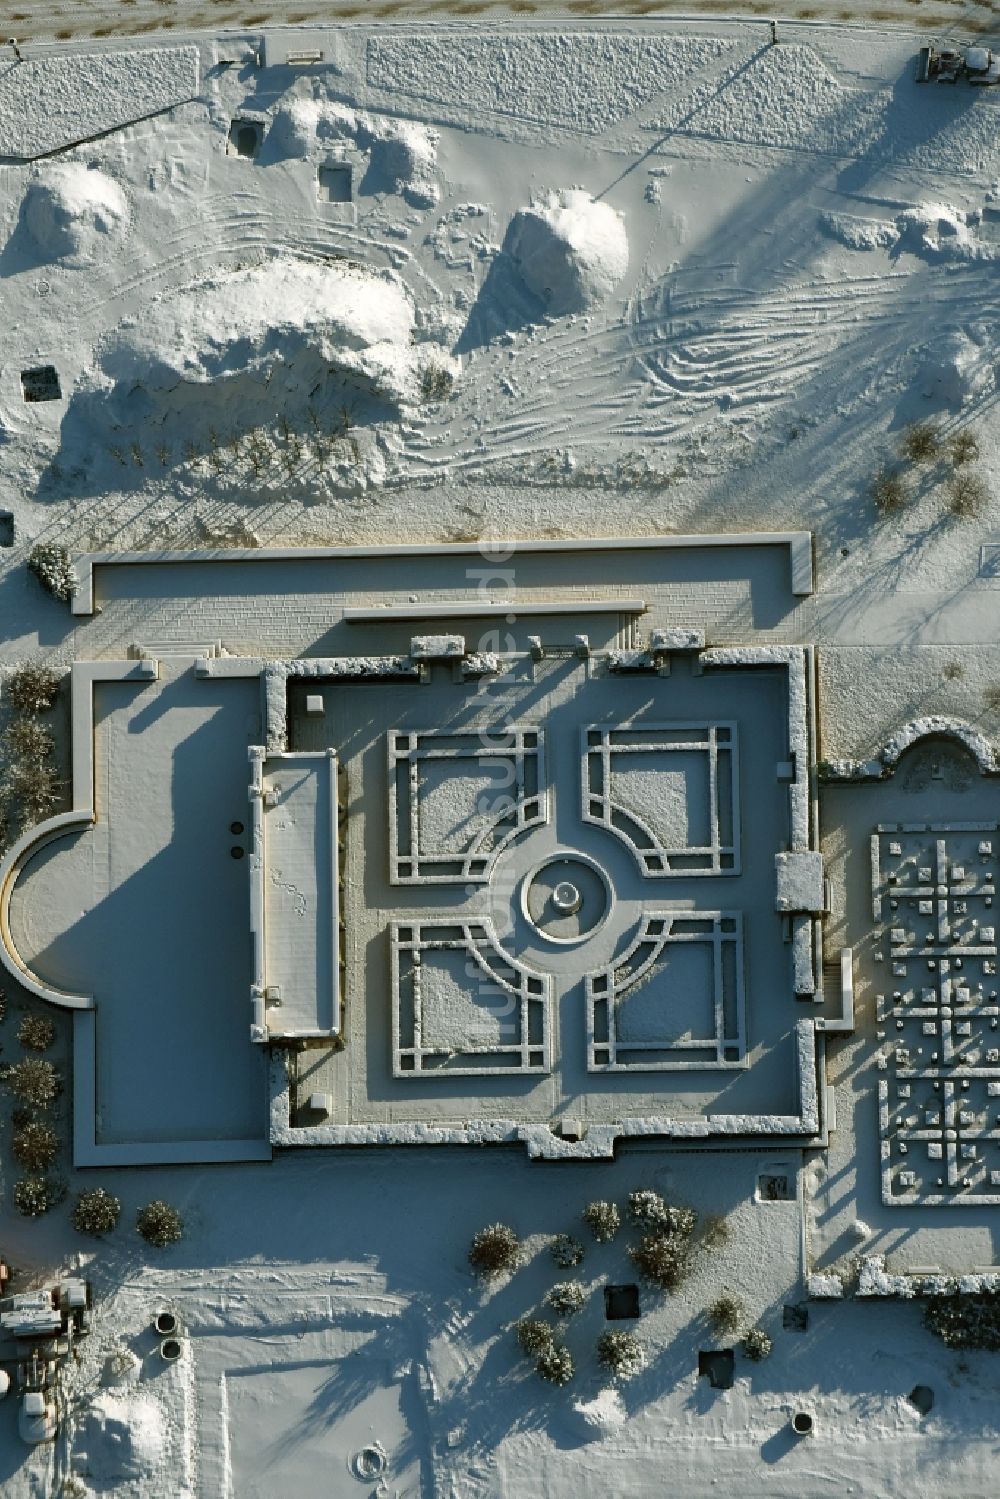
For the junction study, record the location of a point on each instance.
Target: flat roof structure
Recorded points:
(549, 877)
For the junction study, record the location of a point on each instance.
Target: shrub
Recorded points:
(534, 1336)
(725, 1314)
(968, 494)
(436, 382)
(646, 1207)
(35, 1146)
(51, 565)
(603, 1219)
(649, 1210)
(566, 1251)
(991, 697)
(159, 1224)
(952, 671)
(494, 1250)
(34, 1195)
(920, 442)
(32, 1081)
(757, 1345)
(888, 490)
(34, 788)
(36, 1032)
(27, 739)
(565, 1297)
(555, 1364)
(31, 689)
(97, 1212)
(714, 1231)
(663, 1259)
(965, 1321)
(963, 447)
(621, 1353)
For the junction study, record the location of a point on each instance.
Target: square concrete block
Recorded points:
(437, 647)
(320, 1103)
(676, 639)
(799, 880)
(314, 705)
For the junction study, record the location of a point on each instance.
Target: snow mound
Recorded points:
(939, 230)
(858, 233)
(402, 154)
(956, 369)
(302, 125)
(570, 250)
(260, 319)
(75, 213)
(121, 1439)
(935, 231)
(603, 1415)
(289, 370)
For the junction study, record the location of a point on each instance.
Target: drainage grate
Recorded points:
(774, 1186)
(717, 1365)
(336, 182)
(245, 137)
(922, 1398)
(41, 384)
(621, 1302)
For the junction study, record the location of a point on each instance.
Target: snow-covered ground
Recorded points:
(478, 282)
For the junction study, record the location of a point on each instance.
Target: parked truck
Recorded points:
(979, 66)
(37, 1331)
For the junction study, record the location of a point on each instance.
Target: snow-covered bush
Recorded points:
(26, 739)
(36, 1032)
(34, 1195)
(603, 1219)
(436, 383)
(159, 1224)
(97, 1212)
(965, 1321)
(757, 1345)
(33, 1081)
(35, 1146)
(920, 442)
(968, 494)
(725, 1313)
(493, 1250)
(649, 1210)
(621, 1353)
(963, 447)
(556, 1364)
(566, 1251)
(32, 787)
(714, 1231)
(888, 490)
(565, 1297)
(534, 1336)
(31, 689)
(663, 1258)
(51, 565)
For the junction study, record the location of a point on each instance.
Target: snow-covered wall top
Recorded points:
(47, 104)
